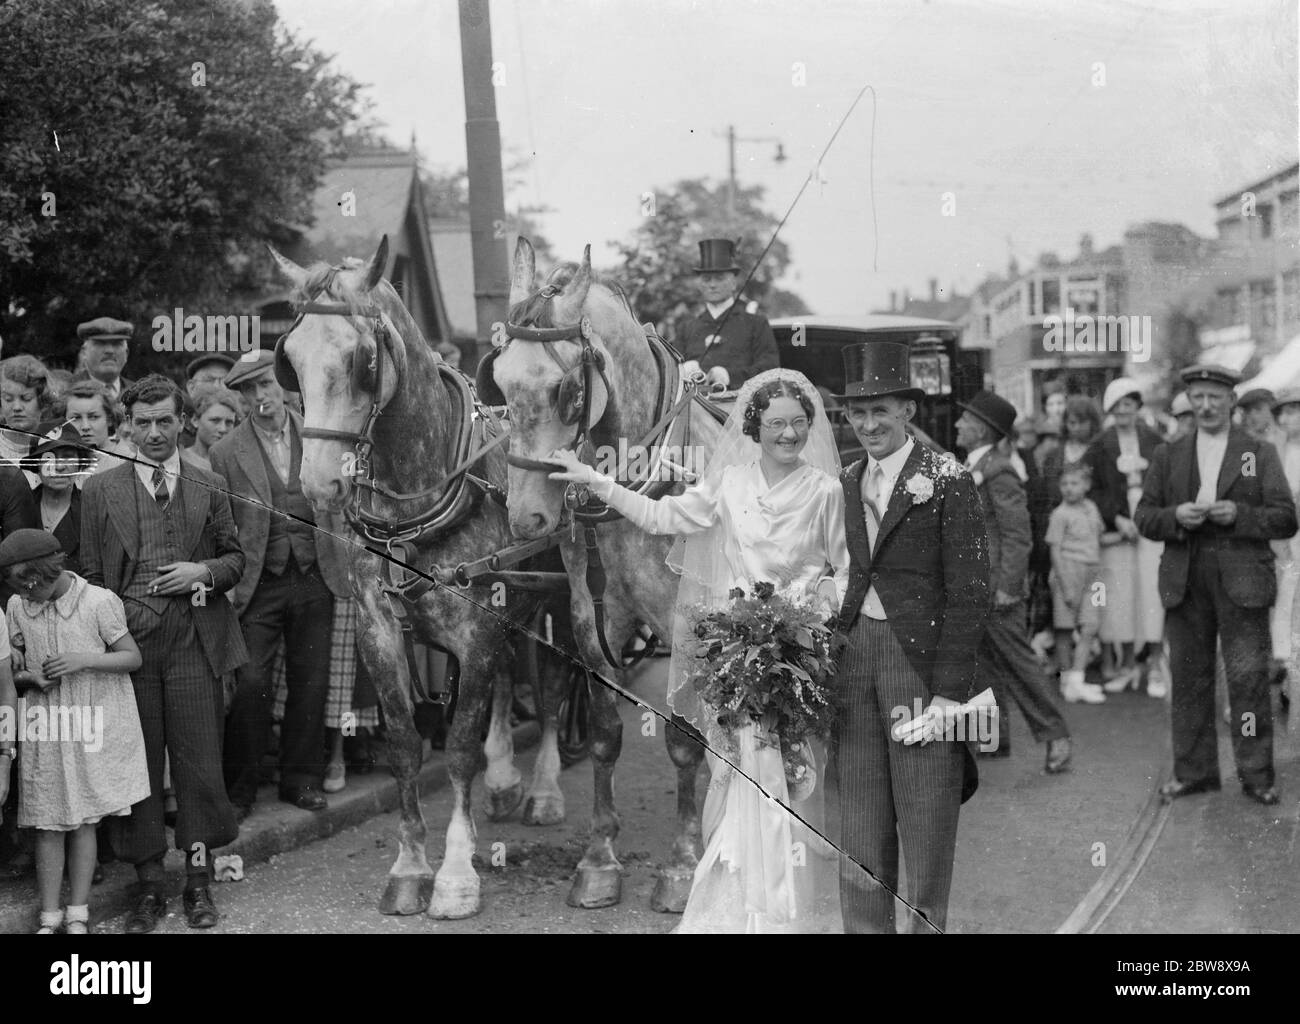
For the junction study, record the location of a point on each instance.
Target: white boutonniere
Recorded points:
(921, 488)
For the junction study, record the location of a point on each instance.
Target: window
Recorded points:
(1291, 297)
(1229, 310)
(1265, 212)
(1263, 308)
(1051, 297)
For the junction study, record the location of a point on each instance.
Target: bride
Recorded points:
(769, 508)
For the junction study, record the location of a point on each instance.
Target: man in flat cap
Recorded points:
(292, 574)
(1004, 651)
(1216, 498)
(104, 350)
(727, 343)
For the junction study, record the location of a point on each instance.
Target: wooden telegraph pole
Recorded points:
(487, 213)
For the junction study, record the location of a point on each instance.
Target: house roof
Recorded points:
(453, 253)
(381, 184)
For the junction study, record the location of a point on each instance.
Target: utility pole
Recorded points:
(487, 213)
(732, 139)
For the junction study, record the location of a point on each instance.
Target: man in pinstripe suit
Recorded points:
(915, 609)
(166, 544)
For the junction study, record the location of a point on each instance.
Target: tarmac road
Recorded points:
(1031, 848)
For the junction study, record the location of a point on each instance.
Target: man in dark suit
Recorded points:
(1216, 498)
(168, 548)
(1004, 649)
(105, 345)
(914, 610)
(286, 594)
(727, 343)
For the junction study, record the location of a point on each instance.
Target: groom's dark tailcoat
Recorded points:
(1218, 581)
(930, 568)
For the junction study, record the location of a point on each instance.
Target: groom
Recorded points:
(915, 610)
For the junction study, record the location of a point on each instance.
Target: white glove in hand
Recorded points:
(719, 375)
(690, 368)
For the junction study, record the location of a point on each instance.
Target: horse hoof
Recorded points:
(544, 810)
(502, 803)
(594, 888)
(672, 890)
(455, 899)
(406, 894)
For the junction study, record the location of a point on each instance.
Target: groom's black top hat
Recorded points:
(875, 368)
(717, 255)
(994, 410)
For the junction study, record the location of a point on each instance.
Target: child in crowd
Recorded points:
(1075, 534)
(83, 753)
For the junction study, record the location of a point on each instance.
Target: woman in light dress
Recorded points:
(70, 642)
(1133, 615)
(769, 507)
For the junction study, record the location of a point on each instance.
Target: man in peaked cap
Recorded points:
(292, 574)
(914, 609)
(988, 420)
(727, 343)
(203, 373)
(1216, 498)
(104, 351)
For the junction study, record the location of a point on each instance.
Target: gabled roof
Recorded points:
(381, 184)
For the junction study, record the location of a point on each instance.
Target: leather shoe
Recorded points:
(306, 798)
(1171, 791)
(1265, 795)
(1058, 755)
(200, 911)
(148, 911)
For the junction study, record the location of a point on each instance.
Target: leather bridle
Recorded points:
(454, 498)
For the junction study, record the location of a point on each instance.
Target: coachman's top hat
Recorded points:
(994, 410)
(717, 256)
(876, 368)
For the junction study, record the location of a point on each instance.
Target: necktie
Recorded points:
(874, 475)
(160, 487)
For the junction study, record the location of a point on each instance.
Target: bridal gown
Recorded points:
(763, 869)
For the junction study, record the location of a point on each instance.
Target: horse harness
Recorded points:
(573, 406)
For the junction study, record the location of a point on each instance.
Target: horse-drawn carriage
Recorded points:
(446, 516)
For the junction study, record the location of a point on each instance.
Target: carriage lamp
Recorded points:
(931, 369)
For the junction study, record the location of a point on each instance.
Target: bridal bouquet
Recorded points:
(766, 659)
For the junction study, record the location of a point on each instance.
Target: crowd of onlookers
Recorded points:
(172, 579)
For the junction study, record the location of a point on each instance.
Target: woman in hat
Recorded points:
(60, 460)
(1133, 616)
(83, 749)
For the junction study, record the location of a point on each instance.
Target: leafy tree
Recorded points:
(189, 133)
(658, 261)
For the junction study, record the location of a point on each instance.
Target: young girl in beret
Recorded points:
(82, 748)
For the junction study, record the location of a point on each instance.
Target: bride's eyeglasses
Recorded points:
(800, 425)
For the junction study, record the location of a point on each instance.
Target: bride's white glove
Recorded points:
(574, 471)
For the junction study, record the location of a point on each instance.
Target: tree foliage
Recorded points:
(189, 133)
(658, 261)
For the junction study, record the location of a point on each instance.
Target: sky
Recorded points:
(1044, 119)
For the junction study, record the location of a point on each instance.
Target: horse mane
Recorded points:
(536, 310)
(324, 281)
